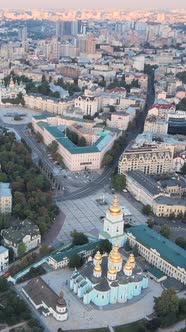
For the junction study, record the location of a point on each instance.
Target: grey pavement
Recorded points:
(84, 214)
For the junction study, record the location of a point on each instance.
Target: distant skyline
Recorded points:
(96, 4)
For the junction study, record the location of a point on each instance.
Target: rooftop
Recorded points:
(170, 201)
(58, 256)
(15, 234)
(40, 292)
(167, 249)
(103, 140)
(145, 181)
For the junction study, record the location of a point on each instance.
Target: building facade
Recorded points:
(88, 104)
(5, 198)
(46, 104)
(159, 251)
(150, 159)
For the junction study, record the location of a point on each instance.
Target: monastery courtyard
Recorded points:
(89, 316)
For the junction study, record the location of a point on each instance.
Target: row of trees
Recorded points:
(32, 197)
(111, 154)
(28, 259)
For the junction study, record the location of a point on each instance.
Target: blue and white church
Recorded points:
(108, 279)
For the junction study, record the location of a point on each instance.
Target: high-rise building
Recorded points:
(90, 45)
(22, 34)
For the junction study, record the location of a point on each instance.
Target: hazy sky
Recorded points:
(133, 4)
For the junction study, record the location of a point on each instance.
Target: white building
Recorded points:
(88, 104)
(4, 259)
(44, 299)
(5, 198)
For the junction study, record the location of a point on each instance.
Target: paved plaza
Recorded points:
(84, 214)
(4, 110)
(88, 316)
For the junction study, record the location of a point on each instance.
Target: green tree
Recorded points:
(146, 209)
(21, 249)
(135, 250)
(105, 246)
(3, 177)
(78, 238)
(167, 303)
(107, 159)
(150, 223)
(127, 246)
(52, 147)
(165, 231)
(118, 182)
(181, 242)
(82, 141)
(75, 261)
(3, 285)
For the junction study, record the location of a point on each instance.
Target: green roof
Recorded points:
(167, 249)
(156, 272)
(60, 255)
(43, 116)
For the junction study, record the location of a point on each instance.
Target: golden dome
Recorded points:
(127, 267)
(115, 209)
(112, 270)
(98, 256)
(115, 256)
(97, 267)
(131, 259)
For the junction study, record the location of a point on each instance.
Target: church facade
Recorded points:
(12, 90)
(108, 279)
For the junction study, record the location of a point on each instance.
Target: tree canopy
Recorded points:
(32, 197)
(118, 182)
(165, 231)
(78, 238)
(147, 209)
